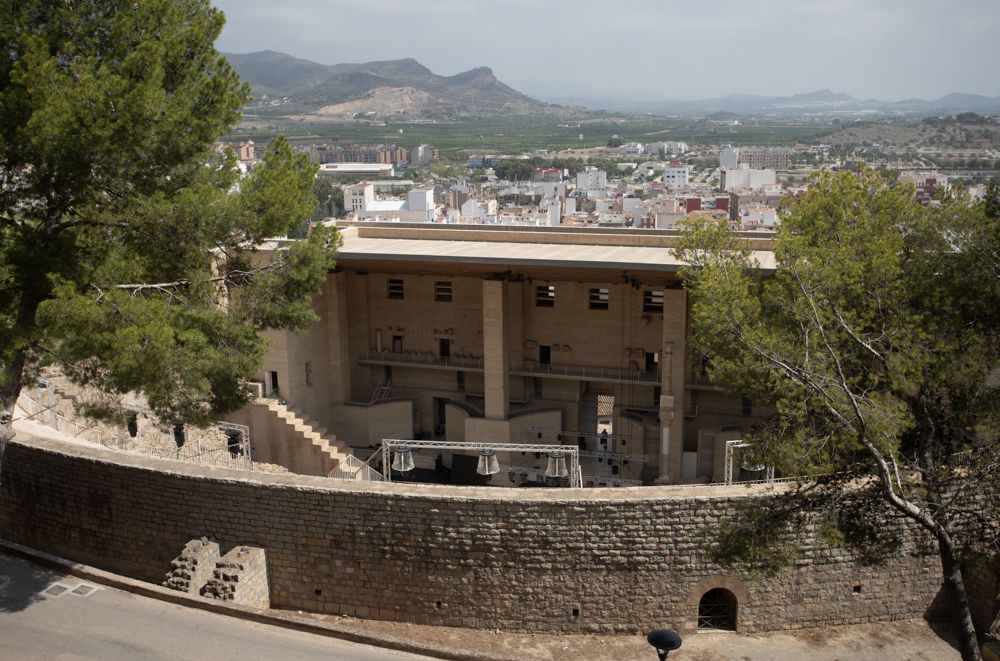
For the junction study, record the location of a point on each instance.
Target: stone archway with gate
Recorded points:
(716, 603)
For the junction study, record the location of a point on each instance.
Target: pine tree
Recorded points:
(126, 238)
(877, 340)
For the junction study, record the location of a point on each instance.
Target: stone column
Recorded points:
(496, 374)
(666, 404)
(340, 354)
(672, 385)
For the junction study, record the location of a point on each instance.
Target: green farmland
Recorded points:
(521, 135)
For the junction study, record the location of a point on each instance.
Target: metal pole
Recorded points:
(386, 461)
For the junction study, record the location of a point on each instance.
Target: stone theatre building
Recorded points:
(513, 334)
(545, 336)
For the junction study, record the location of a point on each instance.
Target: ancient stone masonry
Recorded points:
(240, 577)
(540, 560)
(193, 568)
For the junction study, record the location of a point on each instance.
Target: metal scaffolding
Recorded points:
(738, 444)
(570, 452)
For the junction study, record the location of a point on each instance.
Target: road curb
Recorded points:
(259, 615)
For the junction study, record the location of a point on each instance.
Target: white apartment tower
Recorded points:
(359, 197)
(591, 180)
(675, 176)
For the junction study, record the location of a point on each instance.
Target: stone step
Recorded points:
(327, 443)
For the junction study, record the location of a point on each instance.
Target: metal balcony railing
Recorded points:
(587, 372)
(733, 410)
(471, 363)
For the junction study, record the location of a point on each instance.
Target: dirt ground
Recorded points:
(904, 640)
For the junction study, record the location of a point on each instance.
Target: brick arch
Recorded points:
(698, 590)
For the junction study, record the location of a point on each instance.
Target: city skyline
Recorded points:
(649, 50)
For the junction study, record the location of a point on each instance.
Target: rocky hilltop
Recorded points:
(403, 89)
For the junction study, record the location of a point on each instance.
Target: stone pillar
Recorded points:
(240, 576)
(672, 385)
(496, 374)
(193, 568)
(339, 333)
(666, 422)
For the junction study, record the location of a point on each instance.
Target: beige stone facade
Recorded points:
(513, 336)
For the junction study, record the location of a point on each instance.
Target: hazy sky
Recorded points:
(650, 49)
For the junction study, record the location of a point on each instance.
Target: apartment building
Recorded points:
(774, 158)
(384, 154)
(245, 151)
(675, 176)
(552, 335)
(745, 177)
(422, 154)
(592, 182)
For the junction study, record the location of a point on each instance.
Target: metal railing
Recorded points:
(381, 391)
(734, 410)
(606, 481)
(701, 380)
(45, 414)
(160, 446)
(422, 360)
(352, 468)
(587, 372)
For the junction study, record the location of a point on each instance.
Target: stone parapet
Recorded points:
(540, 560)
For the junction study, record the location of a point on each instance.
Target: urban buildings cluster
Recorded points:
(394, 155)
(652, 194)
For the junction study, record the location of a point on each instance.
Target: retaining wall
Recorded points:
(543, 560)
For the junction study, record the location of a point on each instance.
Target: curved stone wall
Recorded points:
(541, 560)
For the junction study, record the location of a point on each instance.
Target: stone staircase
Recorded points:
(324, 445)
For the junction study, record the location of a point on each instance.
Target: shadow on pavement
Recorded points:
(21, 584)
(945, 630)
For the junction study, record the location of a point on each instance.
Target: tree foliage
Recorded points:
(876, 337)
(127, 241)
(514, 170)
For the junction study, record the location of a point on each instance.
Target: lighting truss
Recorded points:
(571, 452)
(244, 432)
(731, 447)
(598, 454)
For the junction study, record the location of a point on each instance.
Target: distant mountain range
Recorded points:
(405, 89)
(818, 102)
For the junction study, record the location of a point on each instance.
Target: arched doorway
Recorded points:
(717, 610)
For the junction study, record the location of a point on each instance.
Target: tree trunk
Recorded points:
(16, 357)
(9, 392)
(958, 599)
(6, 425)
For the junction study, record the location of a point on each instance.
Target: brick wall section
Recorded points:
(627, 559)
(193, 568)
(240, 577)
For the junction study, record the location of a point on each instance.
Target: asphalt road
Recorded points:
(44, 615)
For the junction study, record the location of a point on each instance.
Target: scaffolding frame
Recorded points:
(738, 444)
(244, 444)
(571, 452)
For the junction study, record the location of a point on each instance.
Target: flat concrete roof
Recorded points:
(521, 254)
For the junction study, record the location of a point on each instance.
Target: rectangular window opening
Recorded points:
(309, 373)
(599, 299)
(394, 288)
(652, 301)
(545, 296)
(442, 291)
